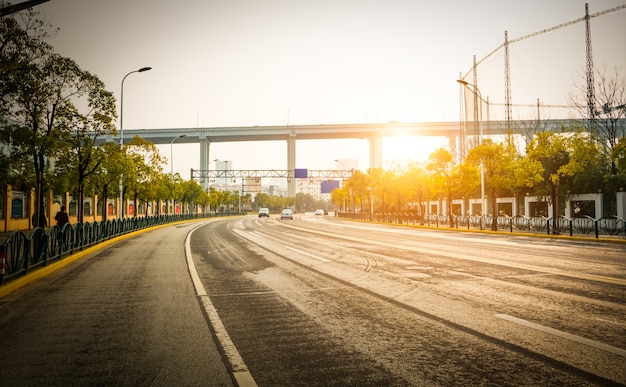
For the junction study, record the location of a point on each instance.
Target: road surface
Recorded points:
(126, 315)
(323, 301)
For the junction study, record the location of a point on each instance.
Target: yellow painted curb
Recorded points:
(43, 271)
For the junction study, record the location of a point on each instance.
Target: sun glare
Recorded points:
(406, 149)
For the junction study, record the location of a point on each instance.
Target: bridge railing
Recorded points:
(21, 252)
(561, 225)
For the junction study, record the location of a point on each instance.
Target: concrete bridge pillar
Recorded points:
(291, 165)
(376, 151)
(204, 161)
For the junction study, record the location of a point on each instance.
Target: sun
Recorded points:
(407, 149)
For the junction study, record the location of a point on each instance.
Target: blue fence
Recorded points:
(552, 226)
(21, 252)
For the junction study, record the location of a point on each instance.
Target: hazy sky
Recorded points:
(269, 62)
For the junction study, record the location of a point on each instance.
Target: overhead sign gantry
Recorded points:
(330, 175)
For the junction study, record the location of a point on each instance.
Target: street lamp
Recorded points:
(172, 166)
(480, 139)
(141, 70)
(172, 153)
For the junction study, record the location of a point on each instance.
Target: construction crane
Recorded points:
(589, 70)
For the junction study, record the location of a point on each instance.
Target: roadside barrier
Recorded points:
(561, 225)
(21, 253)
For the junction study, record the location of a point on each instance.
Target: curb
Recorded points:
(43, 271)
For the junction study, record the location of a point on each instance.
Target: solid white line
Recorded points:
(240, 370)
(565, 335)
(307, 254)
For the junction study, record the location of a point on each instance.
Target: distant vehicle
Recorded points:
(286, 214)
(264, 212)
(319, 212)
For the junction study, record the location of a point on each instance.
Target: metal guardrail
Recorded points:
(21, 253)
(561, 225)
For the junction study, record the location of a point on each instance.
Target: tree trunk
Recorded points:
(105, 208)
(555, 206)
(450, 216)
(81, 201)
(39, 215)
(494, 205)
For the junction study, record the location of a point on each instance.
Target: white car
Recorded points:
(286, 214)
(264, 212)
(319, 212)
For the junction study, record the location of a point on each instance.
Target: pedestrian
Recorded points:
(61, 217)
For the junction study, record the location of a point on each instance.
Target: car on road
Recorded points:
(286, 214)
(319, 212)
(264, 212)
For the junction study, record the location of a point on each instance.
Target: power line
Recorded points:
(20, 7)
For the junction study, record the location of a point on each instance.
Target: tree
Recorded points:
(105, 177)
(607, 123)
(441, 166)
(41, 92)
(193, 193)
(82, 129)
(357, 188)
(561, 158)
(143, 176)
(380, 184)
(498, 163)
(21, 44)
(417, 184)
(339, 197)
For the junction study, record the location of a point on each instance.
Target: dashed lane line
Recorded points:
(517, 265)
(307, 254)
(565, 335)
(241, 373)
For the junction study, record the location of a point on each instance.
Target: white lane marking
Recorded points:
(240, 370)
(565, 335)
(307, 254)
(611, 322)
(517, 265)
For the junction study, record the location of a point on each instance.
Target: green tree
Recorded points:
(82, 127)
(442, 170)
(262, 200)
(357, 188)
(105, 176)
(144, 176)
(555, 152)
(498, 163)
(21, 45)
(339, 197)
(193, 193)
(380, 184)
(619, 156)
(41, 95)
(417, 184)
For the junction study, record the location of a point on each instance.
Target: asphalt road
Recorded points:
(126, 315)
(319, 301)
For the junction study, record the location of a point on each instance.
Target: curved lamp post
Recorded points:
(141, 70)
(480, 139)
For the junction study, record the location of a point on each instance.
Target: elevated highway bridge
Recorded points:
(458, 133)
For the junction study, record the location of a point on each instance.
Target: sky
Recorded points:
(220, 63)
